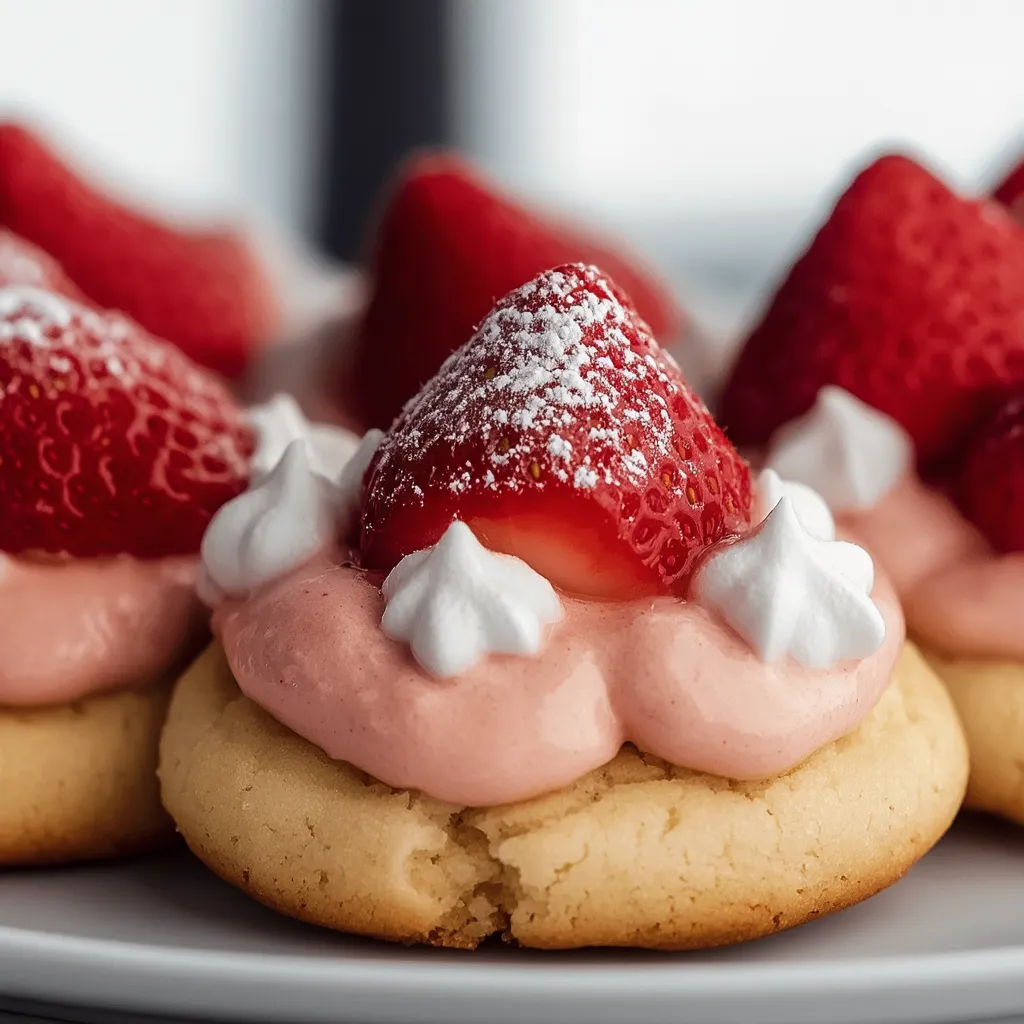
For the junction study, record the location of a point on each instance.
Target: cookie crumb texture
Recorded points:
(78, 781)
(989, 697)
(637, 853)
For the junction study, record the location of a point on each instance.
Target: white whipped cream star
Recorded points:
(850, 453)
(457, 602)
(280, 421)
(270, 529)
(788, 593)
(811, 509)
(350, 482)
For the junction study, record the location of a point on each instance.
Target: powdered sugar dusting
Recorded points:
(539, 364)
(559, 447)
(584, 478)
(50, 322)
(30, 314)
(70, 342)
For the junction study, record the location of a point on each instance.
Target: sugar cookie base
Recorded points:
(78, 781)
(989, 697)
(637, 853)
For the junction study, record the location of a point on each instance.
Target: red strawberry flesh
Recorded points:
(562, 435)
(449, 244)
(111, 442)
(909, 297)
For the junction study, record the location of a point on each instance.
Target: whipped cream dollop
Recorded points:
(304, 493)
(850, 453)
(350, 481)
(456, 602)
(810, 507)
(790, 593)
(279, 422)
(270, 529)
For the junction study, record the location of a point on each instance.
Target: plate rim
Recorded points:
(948, 968)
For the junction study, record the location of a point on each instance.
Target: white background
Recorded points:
(202, 105)
(713, 132)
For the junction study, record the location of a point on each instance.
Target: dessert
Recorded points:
(449, 243)
(115, 451)
(204, 291)
(887, 375)
(544, 660)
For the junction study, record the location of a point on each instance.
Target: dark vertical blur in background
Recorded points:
(712, 135)
(387, 91)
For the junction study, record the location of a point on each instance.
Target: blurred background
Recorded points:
(712, 133)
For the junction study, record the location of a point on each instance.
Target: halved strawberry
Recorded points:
(560, 434)
(910, 297)
(990, 486)
(1010, 191)
(110, 441)
(22, 262)
(205, 292)
(448, 245)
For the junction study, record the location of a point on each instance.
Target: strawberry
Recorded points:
(562, 435)
(990, 485)
(23, 263)
(110, 441)
(205, 292)
(909, 297)
(448, 246)
(1011, 192)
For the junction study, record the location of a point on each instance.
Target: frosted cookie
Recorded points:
(115, 450)
(435, 671)
(963, 597)
(887, 374)
(320, 840)
(989, 696)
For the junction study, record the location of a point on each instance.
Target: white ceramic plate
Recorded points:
(162, 936)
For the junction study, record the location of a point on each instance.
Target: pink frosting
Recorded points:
(73, 628)
(661, 673)
(958, 595)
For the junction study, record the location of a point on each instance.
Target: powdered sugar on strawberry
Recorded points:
(547, 388)
(111, 441)
(34, 316)
(562, 389)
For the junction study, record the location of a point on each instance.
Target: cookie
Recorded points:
(78, 781)
(989, 697)
(637, 853)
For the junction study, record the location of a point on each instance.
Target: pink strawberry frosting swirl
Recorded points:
(70, 629)
(664, 674)
(960, 597)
